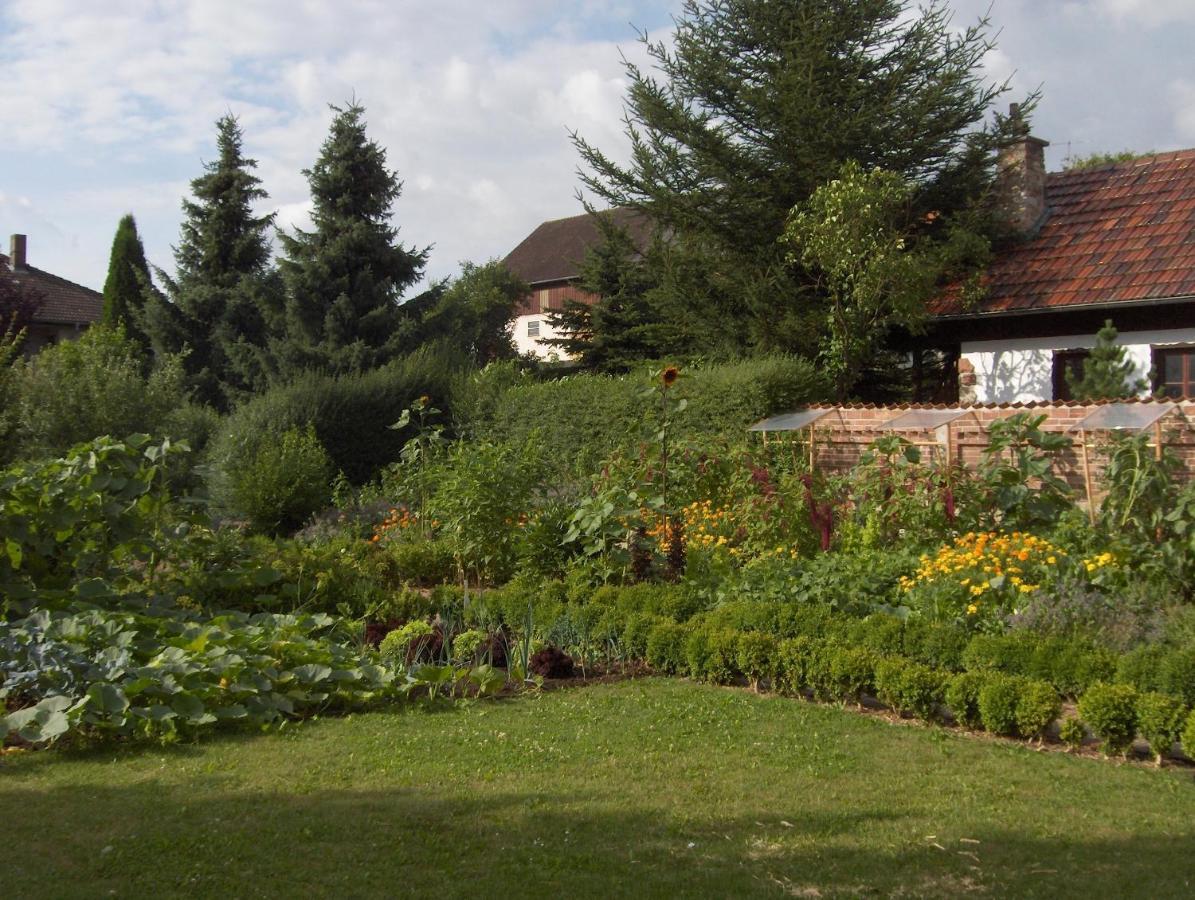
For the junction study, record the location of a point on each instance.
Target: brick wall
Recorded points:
(846, 431)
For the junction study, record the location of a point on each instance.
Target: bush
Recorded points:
(909, 687)
(998, 699)
(1160, 719)
(940, 645)
(816, 621)
(711, 655)
(1142, 668)
(80, 390)
(792, 663)
(281, 485)
(1037, 706)
(1072, 733)
(844, 673)
(583, 418)
(880, 632)
(1188, 736)
(962, 697)
(666, 647)
(636, 632)
(351, 414)
(756, 656)
(1110, 710)
(425, 563)
(1176, 674)
(1072, 665)
(1009, 653)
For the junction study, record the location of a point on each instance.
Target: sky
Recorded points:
(110, 108)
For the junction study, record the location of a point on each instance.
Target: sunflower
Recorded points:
(669, 376)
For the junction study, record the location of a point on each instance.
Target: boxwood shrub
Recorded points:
(998, 700)
(1038, 706)
(1160, 719)
(666, 647)
(962, 697)
(1110, 710)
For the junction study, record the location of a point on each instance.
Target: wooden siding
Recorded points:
(558, 292)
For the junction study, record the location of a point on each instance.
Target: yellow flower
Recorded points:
(972, 608)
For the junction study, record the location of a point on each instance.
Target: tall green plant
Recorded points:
(1018, 473)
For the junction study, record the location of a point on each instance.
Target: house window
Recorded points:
(543, 300)
(1174, 371)
(1067, 361)
(533, 328)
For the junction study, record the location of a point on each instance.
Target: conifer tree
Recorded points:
(1107, 371)
(753, 106)
(218, 306)
(344, 278)
(127, 282)
(619, 328)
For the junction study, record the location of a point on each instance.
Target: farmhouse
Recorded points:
(1115, 243)
(549, 260)
(66, 308)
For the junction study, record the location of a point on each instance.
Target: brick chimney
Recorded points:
(16, 253)
(1021, 177)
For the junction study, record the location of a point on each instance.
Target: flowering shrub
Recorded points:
(982, 574)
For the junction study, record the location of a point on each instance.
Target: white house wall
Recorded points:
(1022, 370)
(526, 344)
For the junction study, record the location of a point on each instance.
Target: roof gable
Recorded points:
(554, 251)
(63, 301)
(1120, 233)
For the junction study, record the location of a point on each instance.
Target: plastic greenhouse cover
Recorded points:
(793, 421)
(923, 419)
(1124, 417)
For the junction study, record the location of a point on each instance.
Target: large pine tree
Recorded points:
(755, 104)
(225, 292)
(344, 278)
(127, 283)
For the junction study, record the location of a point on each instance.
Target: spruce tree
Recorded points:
(756, 103)
(1107, 371)
(344, 278)
(127, 283)
(218, 306)
(619, 328)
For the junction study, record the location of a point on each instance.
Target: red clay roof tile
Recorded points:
(1118, 233)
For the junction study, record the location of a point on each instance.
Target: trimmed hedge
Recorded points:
(351, 414)
(579, 420)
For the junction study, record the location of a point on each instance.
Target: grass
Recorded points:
(643, 788)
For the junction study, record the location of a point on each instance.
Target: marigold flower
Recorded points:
(669, 376)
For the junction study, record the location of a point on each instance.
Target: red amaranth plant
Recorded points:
(821, 514)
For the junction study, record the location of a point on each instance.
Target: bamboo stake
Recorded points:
(812, 453)
(1158, 440)
(1087, 476)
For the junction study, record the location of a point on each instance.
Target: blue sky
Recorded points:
(109, 108)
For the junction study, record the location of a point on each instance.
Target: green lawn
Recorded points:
(643, 788)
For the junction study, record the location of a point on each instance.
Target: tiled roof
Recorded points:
(64, 302)
(1120, 233)
(554, 251)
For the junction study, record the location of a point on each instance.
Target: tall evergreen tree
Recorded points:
(753, 105)
(127, 282)
(225, 292)
(344, 278)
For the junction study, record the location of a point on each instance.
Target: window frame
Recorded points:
(1186, 382)
(533, 324)
(1063, 360)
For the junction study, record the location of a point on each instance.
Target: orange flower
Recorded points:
(669, 376)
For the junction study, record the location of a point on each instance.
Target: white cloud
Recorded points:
(114, 103)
